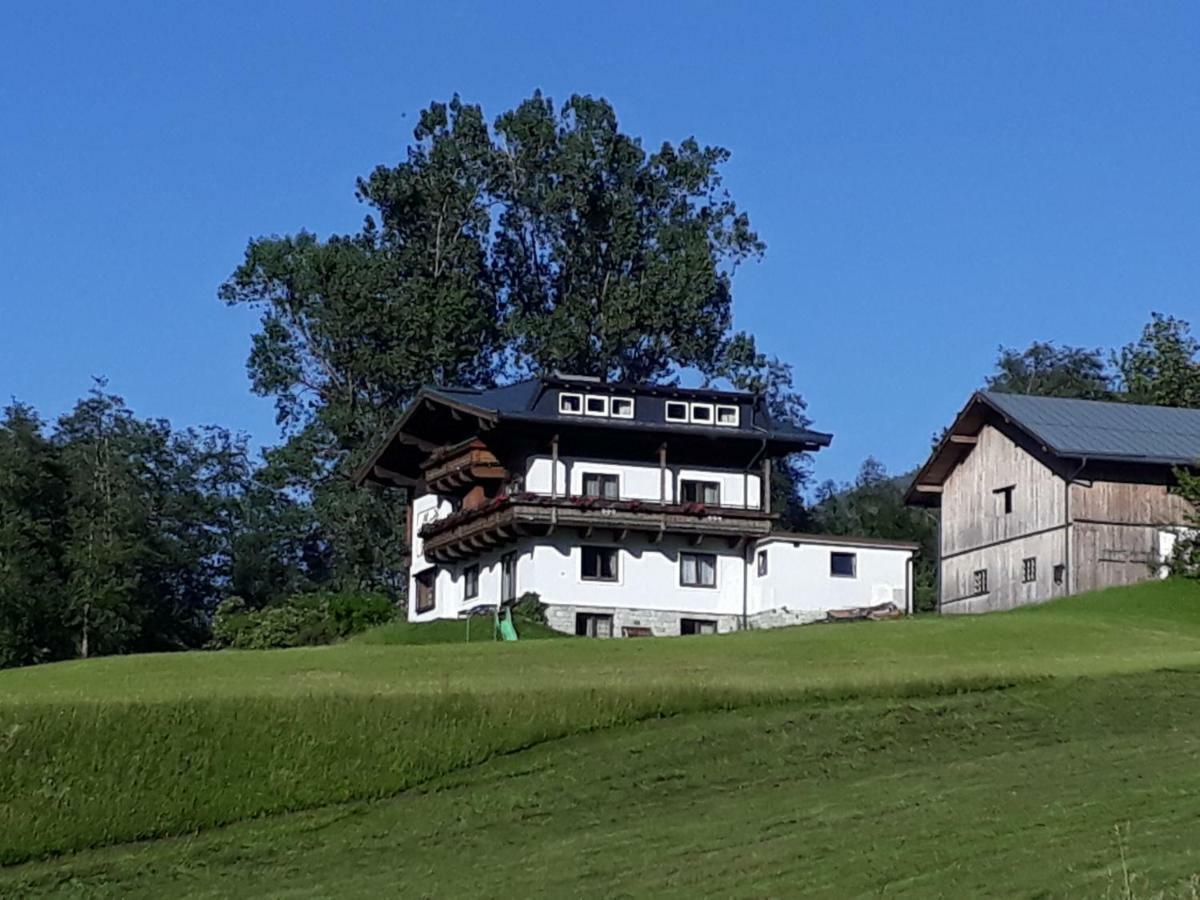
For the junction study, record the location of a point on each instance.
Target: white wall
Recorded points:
(798, 577)
(640, 482)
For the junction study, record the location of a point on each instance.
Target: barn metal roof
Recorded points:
(1092, 430)
(1103, 430)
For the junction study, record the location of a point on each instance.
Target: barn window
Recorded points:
(1029, 569)
(1060, 573)
(598, 564)
(979, 583)
(843, 565)
(698, 569)
(762, 563)
(1006, 497)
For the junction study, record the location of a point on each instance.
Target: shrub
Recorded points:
(301, 620)
(530, 608)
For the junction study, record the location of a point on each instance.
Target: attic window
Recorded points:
(621, 407)
(727, 415)
(702, 413)
(571, 404)
(1006, 495)
(677, 411)
(595, 406)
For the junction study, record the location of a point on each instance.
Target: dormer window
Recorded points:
(702, 413)
(595, 406)
(621, 407)
(677, 411)
(727, 415)
(570, 404)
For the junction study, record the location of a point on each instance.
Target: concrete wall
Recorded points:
(641, 482)
(798, 578)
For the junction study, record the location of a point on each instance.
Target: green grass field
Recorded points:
(1044, 752)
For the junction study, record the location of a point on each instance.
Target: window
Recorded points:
(727, 415)
(470, 582)
(508, 577)
(698, 569)
(598, 485)
(595, 406)
(621, 407)
(979, 583)
(762, 563)
(571, 404)
(843, 565)
(1060, 573)
(593, 625)
(702, 413)
(697, 626)
(598, 563)
(426, 590)
(706, 492)
(1006, 495)
(1029, 569)
(677, 411)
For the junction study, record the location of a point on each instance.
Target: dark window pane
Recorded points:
(843, 565)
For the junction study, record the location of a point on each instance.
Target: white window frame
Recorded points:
(602, 398)
(844, 553)
(590, 473)
(667, 411)
(692, 407)
(571, 412)
(612, 407)
(728, 407)
(617, 567)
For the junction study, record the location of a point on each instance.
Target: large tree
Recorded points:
(1163, 366)
(551, 240)
(1045, 369)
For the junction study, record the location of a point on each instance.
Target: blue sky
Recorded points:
(932, 180)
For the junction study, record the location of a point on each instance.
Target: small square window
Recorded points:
(621, 407)
(702, 413)
(1029, 569)
(595, 406)
(593, 625)
(979, 582)
(1060, 573)
(698, 569)
(571, 404)
(600, 485)
(843, 565)
(470, 582)
(677, 411)
(697, 626)
(762, 563)
(1006, 498)
(598, 563)
(727, 415)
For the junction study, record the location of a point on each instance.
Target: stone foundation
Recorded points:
(666, 623)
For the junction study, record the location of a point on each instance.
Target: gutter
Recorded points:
(1068, 533)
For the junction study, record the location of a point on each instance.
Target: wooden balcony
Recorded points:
(468, 533)
(458, 468)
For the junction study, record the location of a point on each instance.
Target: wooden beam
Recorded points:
(928, 488)
(554, 467)
(394, 478)
(662, 473)
(964, 439)
(696, 539)
(766, 485)
(620, 535)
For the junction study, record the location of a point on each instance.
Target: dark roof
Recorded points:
(1094, 430)
(1100, 430)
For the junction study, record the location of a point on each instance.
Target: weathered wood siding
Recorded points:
(972, 515)
(1004, 565)
(1127, 502)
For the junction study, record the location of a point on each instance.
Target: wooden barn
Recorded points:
(1042, 497)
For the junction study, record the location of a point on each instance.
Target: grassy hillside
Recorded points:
(115, 749)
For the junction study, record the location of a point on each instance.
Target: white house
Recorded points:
(628, 509)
